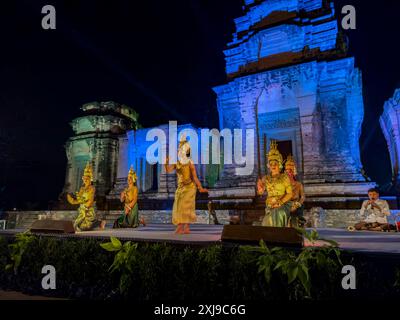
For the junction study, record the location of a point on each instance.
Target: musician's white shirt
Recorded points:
(373, 214)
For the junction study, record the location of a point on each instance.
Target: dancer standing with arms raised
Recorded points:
(184, 208)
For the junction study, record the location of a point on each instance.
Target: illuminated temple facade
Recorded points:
(289, 78)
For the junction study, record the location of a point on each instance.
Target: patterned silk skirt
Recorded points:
(86, 219)
(184, 209)
(130, 220)
(277, 217)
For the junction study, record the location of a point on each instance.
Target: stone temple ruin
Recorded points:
(289, 78)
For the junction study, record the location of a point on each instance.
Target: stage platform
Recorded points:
(204, 235)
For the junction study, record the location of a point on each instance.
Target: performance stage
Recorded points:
(204, 235)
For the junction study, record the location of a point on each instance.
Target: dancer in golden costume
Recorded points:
(130, 217)
(279, 191)
(183, 211)
(298, 195)
(86, 219)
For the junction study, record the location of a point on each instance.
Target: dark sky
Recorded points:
(160, 57)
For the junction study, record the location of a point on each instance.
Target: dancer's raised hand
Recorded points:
(203, 190)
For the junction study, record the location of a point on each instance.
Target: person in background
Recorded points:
(374, 213)
(298, 196)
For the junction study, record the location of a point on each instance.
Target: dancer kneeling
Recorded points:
(86, 219)
(279, 191)
(183, 211)
(130, 217)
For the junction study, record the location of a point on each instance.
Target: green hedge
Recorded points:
(175, 273)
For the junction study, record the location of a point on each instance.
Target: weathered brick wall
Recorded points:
(331, 218)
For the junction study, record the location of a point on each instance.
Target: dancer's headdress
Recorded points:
(132, 174)
(290, 160)
(183, 140)
(88, 172)
(274, 154)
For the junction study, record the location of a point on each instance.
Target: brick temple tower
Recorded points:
(289, 77)
(96, 141)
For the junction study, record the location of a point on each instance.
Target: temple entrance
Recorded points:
(285, 148)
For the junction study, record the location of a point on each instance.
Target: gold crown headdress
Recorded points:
(88, 172)
(132, 174)
(183, 140)
(274, 154)
(290, 160)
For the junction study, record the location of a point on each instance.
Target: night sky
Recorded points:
(160, 57)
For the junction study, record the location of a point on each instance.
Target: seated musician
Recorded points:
(375, 212)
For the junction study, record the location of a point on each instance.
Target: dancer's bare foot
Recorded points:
(142, 221)
(186, 229)
(178, 229)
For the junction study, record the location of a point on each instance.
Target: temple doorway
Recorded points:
(285, 148)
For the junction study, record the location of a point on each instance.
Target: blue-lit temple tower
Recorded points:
(289, 77)
(390, 124)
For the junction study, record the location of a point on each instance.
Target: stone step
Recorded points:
(249, 213)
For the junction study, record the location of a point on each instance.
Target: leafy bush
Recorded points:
(397, 278)
(17, 249)
(94, 269)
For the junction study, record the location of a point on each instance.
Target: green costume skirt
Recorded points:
(86, 219)
(277, 217)
(130, 220)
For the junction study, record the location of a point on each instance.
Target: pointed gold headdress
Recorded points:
(183, 140)
(132, 174)
(88, 172)
(274, 154)
(291, 162)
